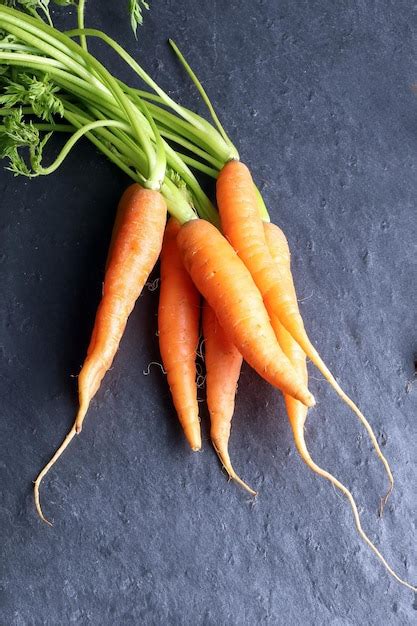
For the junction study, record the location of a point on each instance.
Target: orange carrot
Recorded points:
(178, 324)
(223, 363)
(135, 247)
(297, 412)
(243, 227)
(226, 284)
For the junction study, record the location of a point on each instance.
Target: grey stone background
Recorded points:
(317, 96)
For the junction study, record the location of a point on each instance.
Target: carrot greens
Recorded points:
(136, 8)
(75, 76)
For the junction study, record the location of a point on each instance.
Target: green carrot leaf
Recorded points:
(30, 6)
(136, 8)
(36, 153)
(40, 94)
(16, 133)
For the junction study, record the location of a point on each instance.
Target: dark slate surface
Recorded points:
(317, 97)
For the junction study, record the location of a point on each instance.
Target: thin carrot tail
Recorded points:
(312, 353)
(349, 402)
(305, 455)
(224, 457)
(46, 469)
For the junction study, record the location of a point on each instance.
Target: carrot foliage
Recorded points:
(136, 8)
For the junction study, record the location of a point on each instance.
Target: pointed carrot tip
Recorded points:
(193, 435)
(38, 504)
(311, 401)
(46, 469)
(223, 455)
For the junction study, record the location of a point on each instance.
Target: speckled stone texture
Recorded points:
(317, 96)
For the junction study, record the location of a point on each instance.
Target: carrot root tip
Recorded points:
(70, 436)
(225, 461)
(311, 401)
(38, 505)
(305, 455)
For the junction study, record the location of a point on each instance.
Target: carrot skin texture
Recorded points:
(226, 284)
(134, 250)
(223, 364)
(178, 325)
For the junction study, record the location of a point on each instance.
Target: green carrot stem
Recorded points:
(189, 146)
(200, 125)
(198, 165)
(204, 96)
(80, 20)
(177, 205)
(105, 149)
(262, 206)
(44, 171)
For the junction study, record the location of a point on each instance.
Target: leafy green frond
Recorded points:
(40, 94)
(19, 131)
(36, 153)
(30, 6)
(136, 8)
(16, 133)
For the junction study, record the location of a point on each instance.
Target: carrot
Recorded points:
(297, 412)
(136, 243)
(243, 227)
(223, 363)
(226, 284)
(178, 324)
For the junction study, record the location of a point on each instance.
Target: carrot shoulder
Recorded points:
(226, 284)
(178, 324)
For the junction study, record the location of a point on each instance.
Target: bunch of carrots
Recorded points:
(227, 264)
